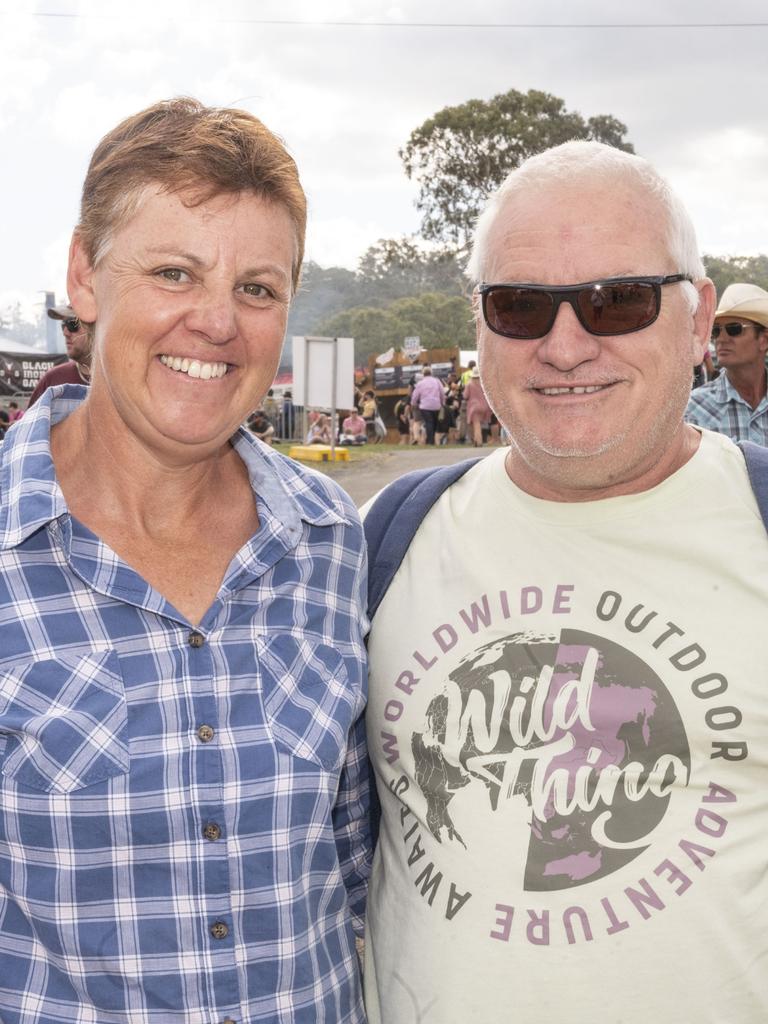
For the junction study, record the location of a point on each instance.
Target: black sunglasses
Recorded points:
(73, 325)
(732, 330)
(616, 305)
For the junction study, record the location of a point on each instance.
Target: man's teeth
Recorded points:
(572, 391)
(194, 368)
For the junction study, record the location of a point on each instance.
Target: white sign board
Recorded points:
(412, 345)
(313, 361)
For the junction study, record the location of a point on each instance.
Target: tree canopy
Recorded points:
(463, 153)
(725, 270)
(438, 319)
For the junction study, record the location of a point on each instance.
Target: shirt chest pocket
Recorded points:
(63, 722)
(309, 702)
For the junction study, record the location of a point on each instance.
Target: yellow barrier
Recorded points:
(318, 453)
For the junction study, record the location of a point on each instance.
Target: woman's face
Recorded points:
(190, 306)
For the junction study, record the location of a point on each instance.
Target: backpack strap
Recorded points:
(394, 518)
(756, 457)
(390, 525)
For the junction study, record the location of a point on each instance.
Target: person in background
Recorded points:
(567, 711)
(183, 795)
(78, 343)
(418, 434)
(353, 429)
(369, 411)
(287, 425)
(320, 430)
(271, 408)
(259, 424)
(14, 412)
(429, 399)
(479, 411)
(403, 419)
(736, 403)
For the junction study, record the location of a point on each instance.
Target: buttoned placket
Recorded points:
(209, 773)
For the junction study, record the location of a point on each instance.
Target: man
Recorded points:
(736, 404)
(353, 429)
(567, 708)
(259, 424)
(78, 369)
(429, 397)
(183, 783)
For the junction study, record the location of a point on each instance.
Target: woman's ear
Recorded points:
(80, 281)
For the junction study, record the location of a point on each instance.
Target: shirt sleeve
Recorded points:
(351, 815)
(351, 824)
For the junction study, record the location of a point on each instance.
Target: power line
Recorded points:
(427, 24)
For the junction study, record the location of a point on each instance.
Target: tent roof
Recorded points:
(9, 346)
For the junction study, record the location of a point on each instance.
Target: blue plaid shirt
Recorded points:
(183, 834)
(718, 406)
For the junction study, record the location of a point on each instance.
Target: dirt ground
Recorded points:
(363, 479)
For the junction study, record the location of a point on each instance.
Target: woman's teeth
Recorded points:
(194, 368)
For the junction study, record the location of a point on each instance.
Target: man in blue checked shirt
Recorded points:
(736, 403)
(183, 791)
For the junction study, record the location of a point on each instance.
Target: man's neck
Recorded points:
(750, 382)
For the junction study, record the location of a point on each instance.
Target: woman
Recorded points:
(181, 685)
(320, 430)
(478, 411)
(369, 410)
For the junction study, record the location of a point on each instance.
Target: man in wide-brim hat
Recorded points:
(736, 404)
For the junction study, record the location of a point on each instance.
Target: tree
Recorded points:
(725, 270)
(464, 153)
(396, 267)
(439, 320)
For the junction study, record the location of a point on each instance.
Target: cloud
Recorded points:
(345, 99)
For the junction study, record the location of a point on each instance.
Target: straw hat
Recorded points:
(744, 300)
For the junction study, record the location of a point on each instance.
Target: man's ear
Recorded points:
(477, 313)
(80, 281)
(703, 318)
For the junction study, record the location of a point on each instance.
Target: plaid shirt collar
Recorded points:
(723, 391)
(30, 495)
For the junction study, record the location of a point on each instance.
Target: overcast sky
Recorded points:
(345, 98)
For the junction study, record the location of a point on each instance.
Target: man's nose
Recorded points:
(568, 344)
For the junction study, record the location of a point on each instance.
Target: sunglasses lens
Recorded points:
(73, 326)
(518, 312)
(618, 308)
(732, 330)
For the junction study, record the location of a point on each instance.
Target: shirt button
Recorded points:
(219, 930)
(196, 639)
(212, 831)
(205, 734)
(228, 1020)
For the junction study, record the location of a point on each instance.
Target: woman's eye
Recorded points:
(258, 291)
(173, 274)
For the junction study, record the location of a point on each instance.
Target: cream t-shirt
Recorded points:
(569, 724)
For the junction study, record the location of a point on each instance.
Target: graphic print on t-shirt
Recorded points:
(575, 725)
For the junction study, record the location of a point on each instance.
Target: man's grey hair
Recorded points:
(578, 162)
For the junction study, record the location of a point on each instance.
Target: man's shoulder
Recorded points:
(64, 373)
(710, 396)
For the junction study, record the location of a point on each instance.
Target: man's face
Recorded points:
(76, 343)
(746, 349)
(190, 306)
(571, 444)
